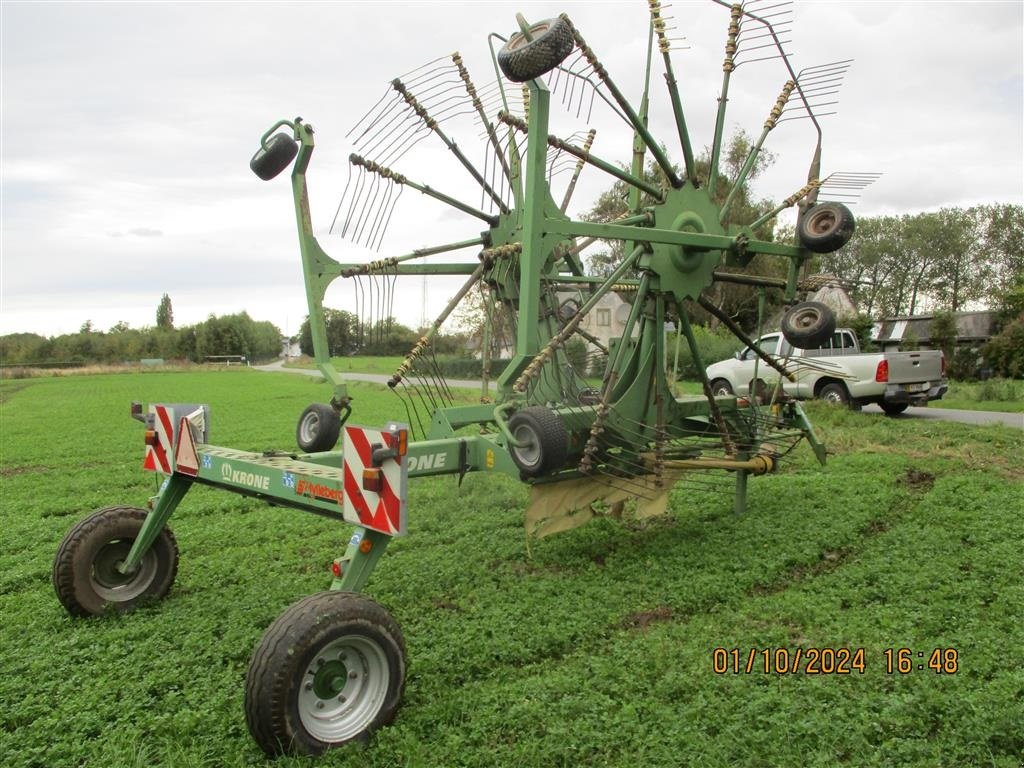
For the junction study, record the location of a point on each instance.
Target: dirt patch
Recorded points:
(917, 480)
(442, 604)
(830, 560)
(644, 619)
(26, 470)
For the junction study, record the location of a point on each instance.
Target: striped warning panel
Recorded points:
(383, 511)
(159, 457)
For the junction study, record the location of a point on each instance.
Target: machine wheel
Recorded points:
(85, 574)
(545, 443)
(521, 59)
(318, 428)
(721, 387)
(808, 325)
(330, 670)
(894, 409)
(826, 227)
(275, 157)
(836, 394)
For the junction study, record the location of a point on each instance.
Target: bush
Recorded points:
(1005, 351)
(712, 346)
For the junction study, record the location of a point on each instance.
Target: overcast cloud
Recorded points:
(127, 130)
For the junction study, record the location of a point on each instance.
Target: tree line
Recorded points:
(236, 334)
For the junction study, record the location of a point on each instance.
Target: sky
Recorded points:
(127, 130)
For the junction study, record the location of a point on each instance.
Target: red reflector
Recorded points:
(151, 438)
(336, 568)
(882, 372)
(373, 479)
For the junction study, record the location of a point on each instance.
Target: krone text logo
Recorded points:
(240, 477)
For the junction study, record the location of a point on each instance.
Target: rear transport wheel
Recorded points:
(85, 575)
(318, 428)
(543, 442)
(825, 227)
(330, 670)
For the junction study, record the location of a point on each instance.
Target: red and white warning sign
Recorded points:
(186, 460)
(158, 440)
(382, 509)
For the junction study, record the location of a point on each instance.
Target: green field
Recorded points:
(593, 647)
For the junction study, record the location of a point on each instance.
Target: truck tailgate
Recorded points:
(911, 367)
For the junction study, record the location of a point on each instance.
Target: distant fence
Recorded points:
(47, 364)
(226, 359)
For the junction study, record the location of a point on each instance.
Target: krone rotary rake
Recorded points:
(604, 436)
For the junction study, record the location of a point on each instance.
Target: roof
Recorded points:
(971, 326)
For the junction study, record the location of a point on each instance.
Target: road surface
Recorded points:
(940, 414)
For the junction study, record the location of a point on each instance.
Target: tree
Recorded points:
(943, 332)
(164, 313)
(342, 333)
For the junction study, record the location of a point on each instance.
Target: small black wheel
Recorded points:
(721, 388)
(894, 409)
(825, 227)
(521, 59)
(318, 428)
(836, 394)
(85, 575)
(808, 325)
(274, 157)
(330, 670)
(543, 442)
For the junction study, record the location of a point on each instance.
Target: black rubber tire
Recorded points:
(894, 409)
(275, 157)
(84, 575)
(721, 388)
(278, 686)
(523, 60)
(808, 325)
(835, 393)
(318, 428)
(825, 227)
(548, 441)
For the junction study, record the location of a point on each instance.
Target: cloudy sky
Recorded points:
(127, 129)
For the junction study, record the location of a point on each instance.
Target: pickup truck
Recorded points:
(839, 372)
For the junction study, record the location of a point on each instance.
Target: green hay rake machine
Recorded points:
(332, 668)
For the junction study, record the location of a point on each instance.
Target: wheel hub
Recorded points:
(108, 581)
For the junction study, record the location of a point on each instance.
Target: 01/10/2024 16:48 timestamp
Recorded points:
(831, 661)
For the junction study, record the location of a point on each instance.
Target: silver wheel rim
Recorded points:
(833, 397)
(528, 450)
(343, 688)
(805, 318)
(112, 585)
(309, 427)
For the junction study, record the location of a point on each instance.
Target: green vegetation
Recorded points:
(593, 647)
(992, 395)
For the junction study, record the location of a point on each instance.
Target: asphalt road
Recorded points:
(941, 414)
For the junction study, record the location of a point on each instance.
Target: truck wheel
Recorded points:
(826, 227)
(808, 325)
(85, 575)
(521, 59)
(329, 671)
(318, 428)
(837, 395)
(894, 409)
(721, 388)
(274, 157)
(543, 442)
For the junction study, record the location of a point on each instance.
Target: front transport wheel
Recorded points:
(85, 574)
(543, 443)
(330, 670)
(318, 428)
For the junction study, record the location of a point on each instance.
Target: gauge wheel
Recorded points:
(808, 325)
(85, 571)
(541, 444)
(521, 59)
(826, 227)
(894, 409)
(318, 428)
(329, 671)
(274, 156)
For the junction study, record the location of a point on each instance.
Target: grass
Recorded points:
(992, 395)
(593, 647)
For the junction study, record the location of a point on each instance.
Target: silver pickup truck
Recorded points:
(839, 372)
